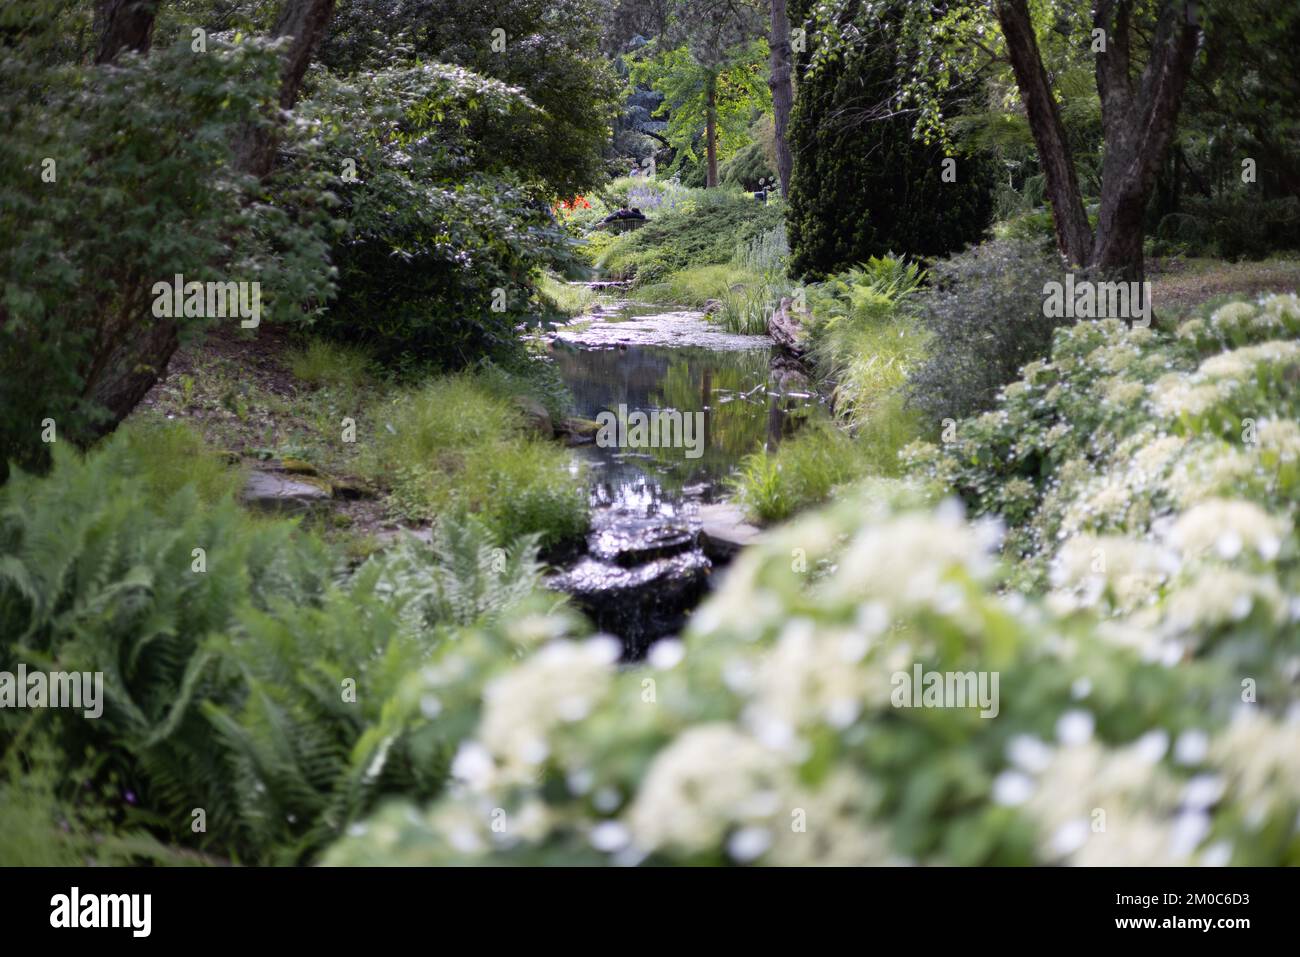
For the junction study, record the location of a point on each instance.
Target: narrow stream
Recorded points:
(646, 566)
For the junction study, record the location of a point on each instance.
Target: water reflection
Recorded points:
(742, 412)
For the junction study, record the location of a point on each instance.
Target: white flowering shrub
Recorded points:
(1124, 427)
(1143, 708)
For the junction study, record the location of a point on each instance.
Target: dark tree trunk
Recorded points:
(129, 370)
(711, 131)
(782, 91)
(305, 21)
(123, 367)
(123, 25)
(1138, 125)
(1073, 234)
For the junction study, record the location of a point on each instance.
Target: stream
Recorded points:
(661, 525)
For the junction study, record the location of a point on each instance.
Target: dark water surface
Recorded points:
(742, 413)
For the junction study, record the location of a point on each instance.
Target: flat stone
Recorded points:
(391, 536)
(282, 492)
(535, 416)
(629, 540)
(725, 530)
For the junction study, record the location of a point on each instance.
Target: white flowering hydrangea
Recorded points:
(711, 780)
(1227, 527)
(560, 683)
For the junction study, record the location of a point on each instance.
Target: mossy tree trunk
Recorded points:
(782, 91)
(711, 129)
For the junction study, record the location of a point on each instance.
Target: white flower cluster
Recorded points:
(560, 684)
(711, 779)
(1126, 573)
(1226, 527)
(914, 560)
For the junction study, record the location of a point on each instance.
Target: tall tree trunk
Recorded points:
(1073, 234)
(782, 91)
(123, 25)
(1138, 126)
(123, 367)
(711, 130)
(305, 22)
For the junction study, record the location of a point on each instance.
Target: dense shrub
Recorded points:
(749, 169)
(552, 57)
(437, 264)
(1120, 427)
(983, 319)
(862, 188)
(142, 189)
(1230, 227)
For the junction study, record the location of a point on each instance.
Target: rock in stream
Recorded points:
(640, 578)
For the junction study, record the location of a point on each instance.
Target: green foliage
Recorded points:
(786, 708)
(329, 365)
(455, 445)
(799, 473)
(1243, 101)
(696, 285)
(862, 338)
(1230, 226)
(551, 56)
(262, 688)
(1121, 426)
(528, 488)
(748, 170)
(527, 379)
(862, 334)
(702, 231)
(462, 577)
(99, 575)
(983, 319)
(733, 83)
(1121, 466)
(564, 298)
(746, 308)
